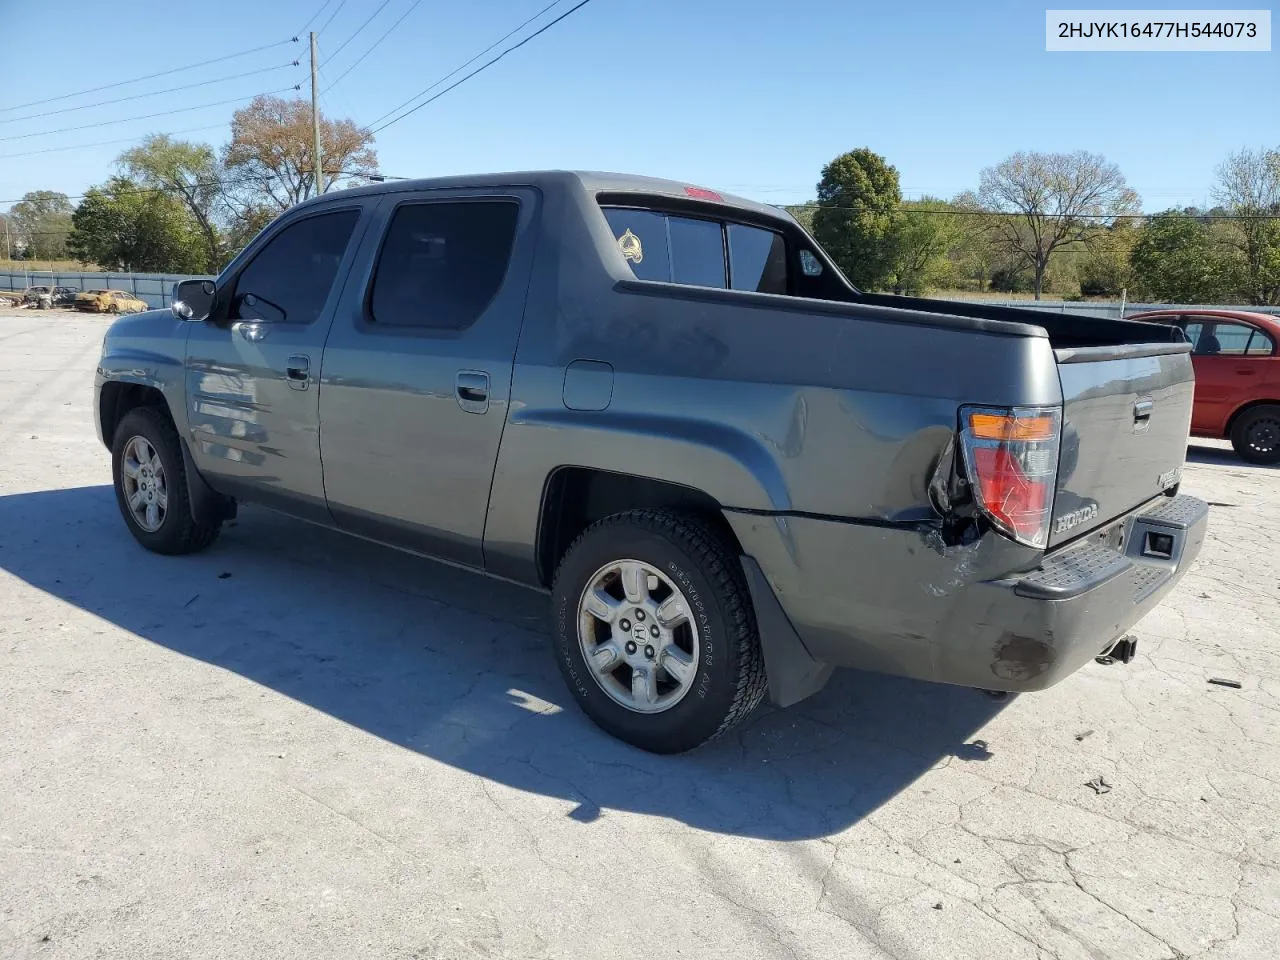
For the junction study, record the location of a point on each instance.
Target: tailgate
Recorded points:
(1126, 414)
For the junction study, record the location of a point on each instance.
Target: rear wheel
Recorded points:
(654, 631)
(1256, 434)
(151, 485)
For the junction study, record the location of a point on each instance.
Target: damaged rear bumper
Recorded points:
(899, 601)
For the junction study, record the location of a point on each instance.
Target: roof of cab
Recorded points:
(590, 181)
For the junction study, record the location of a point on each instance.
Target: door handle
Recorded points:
(1142, 408)
(472, 388)
(1245, 372)
(298, 371)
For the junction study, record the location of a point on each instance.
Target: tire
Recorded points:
(717, 642)
(177, 531)
(1256, 434)
(114, 308)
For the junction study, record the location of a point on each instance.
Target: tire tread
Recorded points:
(718, 562)
(189, 536)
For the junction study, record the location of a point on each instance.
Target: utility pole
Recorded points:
(315, 121)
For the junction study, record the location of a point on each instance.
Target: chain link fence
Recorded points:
(155, 288)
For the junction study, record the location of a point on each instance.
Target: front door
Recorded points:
(417, 371)
(253, 368)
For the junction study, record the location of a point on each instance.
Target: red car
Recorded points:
(1237, 366)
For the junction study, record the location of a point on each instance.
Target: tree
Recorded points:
(270, 157)
(803, 213)
(190, 172)
(41, 221)
(1051, 199)
(1176, 260)
(122, 226)
(975, 257)
(1105, 268)
(923, 233)
(1249, 187)
(857, 199)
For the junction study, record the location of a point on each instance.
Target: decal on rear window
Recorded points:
(631, 247)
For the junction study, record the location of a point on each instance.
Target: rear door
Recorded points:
(417, 370)
(253, 368)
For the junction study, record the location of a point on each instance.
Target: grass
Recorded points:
(45, 266)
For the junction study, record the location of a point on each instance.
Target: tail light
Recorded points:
(1011, 457)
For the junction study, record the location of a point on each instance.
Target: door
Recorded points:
(417, 370)
(1230, 359)
(253, 367)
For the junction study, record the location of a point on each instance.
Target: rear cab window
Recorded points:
(704, 252)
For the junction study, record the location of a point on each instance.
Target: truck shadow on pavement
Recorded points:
(458, 668)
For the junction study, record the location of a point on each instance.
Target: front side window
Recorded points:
(442, 263)
(290, 278)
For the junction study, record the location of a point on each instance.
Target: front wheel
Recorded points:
(151, 485)
(1256, 434)
(654, 631)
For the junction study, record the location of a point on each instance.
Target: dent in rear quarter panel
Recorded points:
(765, 403)
(148, 349)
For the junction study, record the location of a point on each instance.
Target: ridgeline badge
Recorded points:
(631, 247)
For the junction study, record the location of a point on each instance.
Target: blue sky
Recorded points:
(749, 96)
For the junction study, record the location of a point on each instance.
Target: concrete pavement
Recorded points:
(300, 745)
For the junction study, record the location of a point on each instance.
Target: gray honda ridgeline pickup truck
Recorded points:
(667, 407)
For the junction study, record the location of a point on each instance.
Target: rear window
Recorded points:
(699, 252)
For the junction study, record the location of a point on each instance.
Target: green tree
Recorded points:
(1176, 260)
(190, 173)
(924, 232)
(1104, 262)
(1249, 188)
(41, 221)
(803, 213)
(123, 226)
(858, 197)
(1048, 200)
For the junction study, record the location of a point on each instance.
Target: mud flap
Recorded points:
(793, 674)
(207, 505)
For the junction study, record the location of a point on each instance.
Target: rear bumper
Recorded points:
(899, 601)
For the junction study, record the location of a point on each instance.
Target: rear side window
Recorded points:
(442, 263)
(697, 251)
(670, 249)
(758, 259)
(290, 278)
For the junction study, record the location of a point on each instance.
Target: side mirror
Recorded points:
(192, 299)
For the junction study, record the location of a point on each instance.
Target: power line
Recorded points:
(341, 4)
(811, 205)
(153, 93)
(223, 182)
(467, 64)
(314, 16)
(384, 36)
(151, 76)
(367, 21)
(107, 143)
(147, 116)
(485, 66)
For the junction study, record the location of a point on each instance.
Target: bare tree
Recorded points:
(1048, 200)
(1249, 188)
(271, 155)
